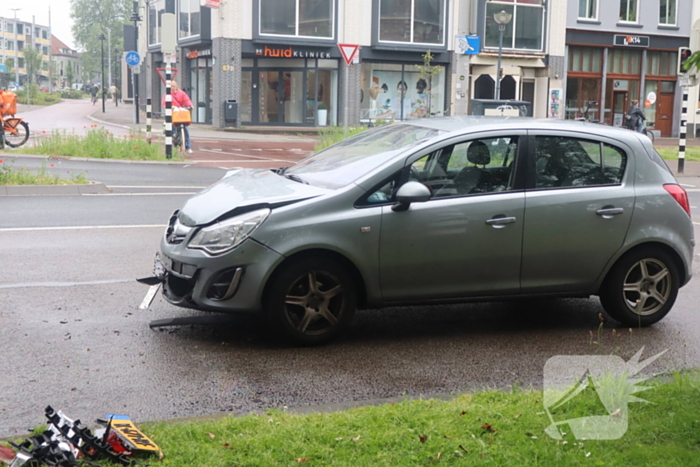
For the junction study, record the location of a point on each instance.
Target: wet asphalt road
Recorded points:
(73, 337)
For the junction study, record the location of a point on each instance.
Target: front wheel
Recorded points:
(649, 134)
(178, 140)
(16, 132)
(312, 301)
(641, 288)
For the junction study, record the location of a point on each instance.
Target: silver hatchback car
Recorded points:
(434, 211)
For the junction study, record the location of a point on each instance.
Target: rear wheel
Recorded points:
(312, 301)
(17, 134)
(641, 288)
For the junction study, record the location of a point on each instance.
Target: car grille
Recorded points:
(176, 232)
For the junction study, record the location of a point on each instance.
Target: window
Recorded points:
(661, 63)
(297, 18)
(571, 162)
(588, 9)
(473, 167)
(412, 21)
(156, 8)
(20, 29)
(525, 29)
(10, 45)
(667, 12)
(45, 34)
(586, 59)
(628, 11)
(190, 18)
(20, 62)
(624, 61)
(10, 28)
(45, 50)
(582, 94)
(37, 32)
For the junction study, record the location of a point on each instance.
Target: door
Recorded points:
(281, 98)
(579, 206)
(467, 239)
(664, 114)
(619, 108)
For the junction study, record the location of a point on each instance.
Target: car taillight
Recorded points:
(680, 195)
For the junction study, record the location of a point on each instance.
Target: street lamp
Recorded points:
(16, 62)
(501, 19)
(102, 46)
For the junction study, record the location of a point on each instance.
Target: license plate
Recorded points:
(131, 436)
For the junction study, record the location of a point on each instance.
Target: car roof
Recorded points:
(464, 125)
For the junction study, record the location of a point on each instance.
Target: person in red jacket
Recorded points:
(180, 99)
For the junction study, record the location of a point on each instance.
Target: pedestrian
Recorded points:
(635, 117)
(181, 100)
(93, 93)
(115, 93)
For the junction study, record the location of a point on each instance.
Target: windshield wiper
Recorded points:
(296, 178)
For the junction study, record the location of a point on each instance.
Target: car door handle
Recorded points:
(499, 222)
(610, 211)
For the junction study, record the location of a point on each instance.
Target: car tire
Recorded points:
(311, 314)
(641, 288)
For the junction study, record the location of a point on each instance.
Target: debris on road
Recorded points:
(65, 441)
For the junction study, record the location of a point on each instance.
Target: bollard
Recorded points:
(168, 112)
(149, 115)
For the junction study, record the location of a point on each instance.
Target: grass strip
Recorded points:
(486, 428)
(98, 143)
(23, 176)
(692, 153)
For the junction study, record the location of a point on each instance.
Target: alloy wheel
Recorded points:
(647, 286)
(314, 303)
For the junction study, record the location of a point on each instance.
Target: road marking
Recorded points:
(691, 189)
(255, 149)
(62, 284)
(166, 187)
(83, 227)
(173, 193)
(246, 155)
(689, 186)
(150, 295)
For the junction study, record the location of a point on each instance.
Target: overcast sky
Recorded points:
(60, 15)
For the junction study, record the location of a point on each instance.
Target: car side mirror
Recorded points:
(410, 192)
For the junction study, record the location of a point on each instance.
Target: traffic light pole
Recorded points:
(682, 134)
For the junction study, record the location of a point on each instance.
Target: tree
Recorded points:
(92, 18)
(33, 62)
(70, 76)
(427, 71)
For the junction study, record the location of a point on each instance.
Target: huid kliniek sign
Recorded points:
(290, 52)
(631, 41)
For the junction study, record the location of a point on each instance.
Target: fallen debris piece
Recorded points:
(132, 438)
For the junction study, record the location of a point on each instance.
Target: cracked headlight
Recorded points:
(226, 235)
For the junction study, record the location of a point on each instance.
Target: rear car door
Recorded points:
(578, 207)
(467, 239)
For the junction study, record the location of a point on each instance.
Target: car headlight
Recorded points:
(226, 235)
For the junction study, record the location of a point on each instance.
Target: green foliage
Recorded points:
(693, 62)
(92, 18)
(73, 94)
(486, 428)
(33, 62)
(692, 153)
(427, 72)
(36, 97)
(22, 176)
(330, 135)
(99, 143)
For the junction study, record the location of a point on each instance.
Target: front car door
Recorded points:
(467, 239)
(578, 206)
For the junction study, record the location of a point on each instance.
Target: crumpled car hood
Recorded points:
(245, 187)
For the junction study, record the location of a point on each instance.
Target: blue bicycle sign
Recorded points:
(132, 58)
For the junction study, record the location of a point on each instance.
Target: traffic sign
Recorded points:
(349, 51)
(132, 58)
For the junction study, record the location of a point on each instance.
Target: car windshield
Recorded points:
(347, 161)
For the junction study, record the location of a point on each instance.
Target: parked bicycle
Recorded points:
(584, 114)
(15, 131)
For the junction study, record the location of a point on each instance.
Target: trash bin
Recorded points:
(231, 111)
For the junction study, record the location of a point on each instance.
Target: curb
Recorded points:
(104, 122)
(93, 188)
(90, 159)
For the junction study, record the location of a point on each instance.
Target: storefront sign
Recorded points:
(467, 45)
(211, 3)
(290, 52)
(199, 53)
(631, 41)
(651, 99)
(621, 85)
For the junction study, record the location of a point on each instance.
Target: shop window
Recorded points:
(156, 8)
(587, 59)
(523, 32)
(484, 87)
(297, 18)
(412, 21)
(400, 92)
(661, 63)
(629, 10)
(508, 86)
(190, 18)
(624, 61)
(579, 92)
(588, 9)
(667, 12)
